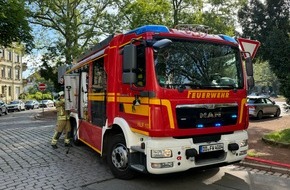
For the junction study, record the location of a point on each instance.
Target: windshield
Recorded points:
(192, 65)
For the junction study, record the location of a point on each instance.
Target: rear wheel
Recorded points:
(260, 115)
(118, 158)
(278, 112)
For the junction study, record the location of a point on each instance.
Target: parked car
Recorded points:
(3, 108)
(16, 105)
(46, 103)
(260, 106)
(31, 104)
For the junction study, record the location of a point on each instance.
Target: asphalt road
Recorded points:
(27, 161)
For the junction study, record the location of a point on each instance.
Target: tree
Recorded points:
(269, 23)
(140, 12)
(14, 26)
(76, 24)
(214, 14)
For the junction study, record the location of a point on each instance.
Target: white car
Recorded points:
(46, 103)
(16, 105)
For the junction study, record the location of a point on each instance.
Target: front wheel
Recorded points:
(118, 158)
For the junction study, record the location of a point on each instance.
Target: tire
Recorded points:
(260, 115)
(117, 158)
(278, 112)
(1, 112)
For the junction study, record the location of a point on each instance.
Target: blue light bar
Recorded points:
(234, 116)
(228, 38)
(217, 124)
(199, 125)
(149, 28)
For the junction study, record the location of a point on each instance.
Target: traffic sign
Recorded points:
(42, 86)
(250, 46)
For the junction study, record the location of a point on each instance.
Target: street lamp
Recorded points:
(5, 91)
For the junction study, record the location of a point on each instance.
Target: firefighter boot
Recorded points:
(54, 139)
(67, 140)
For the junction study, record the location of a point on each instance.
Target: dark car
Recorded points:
(3, 108)
(31, 104)
(16, 105)
(260, 106)
(46, 103)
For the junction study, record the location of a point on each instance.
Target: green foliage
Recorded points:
(14, 26)
(269, 23)
(156, 11)
(279, 136)
(264, 76)
(76, 23)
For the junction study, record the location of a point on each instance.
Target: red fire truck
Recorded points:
(161, 100)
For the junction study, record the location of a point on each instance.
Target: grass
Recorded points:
(255, 153)
(279, 136)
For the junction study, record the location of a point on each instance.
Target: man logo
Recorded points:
(210, 115)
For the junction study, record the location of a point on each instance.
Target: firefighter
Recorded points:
(63, 123)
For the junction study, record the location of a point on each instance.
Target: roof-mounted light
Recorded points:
(228, 38)
(149, 28)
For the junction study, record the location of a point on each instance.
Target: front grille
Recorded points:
(206, 115)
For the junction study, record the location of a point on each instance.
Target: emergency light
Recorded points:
(149, 28)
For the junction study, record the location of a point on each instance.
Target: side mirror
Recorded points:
(161, 44)
(249, 67)
(129, 58)
(129, 64)
(251, 82)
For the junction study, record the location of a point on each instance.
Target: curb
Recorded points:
(267, 165)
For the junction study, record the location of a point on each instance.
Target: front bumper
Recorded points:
(180, 161)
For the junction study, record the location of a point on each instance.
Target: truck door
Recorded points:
(71, 89)
(98, 95)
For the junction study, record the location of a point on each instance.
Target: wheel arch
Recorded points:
(120, 126)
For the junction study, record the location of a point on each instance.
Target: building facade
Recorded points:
(11, 68)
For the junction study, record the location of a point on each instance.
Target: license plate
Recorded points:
(211, 147)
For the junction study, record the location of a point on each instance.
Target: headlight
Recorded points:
(167, 153)
(244, 143)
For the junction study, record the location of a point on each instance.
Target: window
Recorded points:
(141, 65)
(3, 72)
(99, 76)
(17, 74)
(17, 58)
(2, 53)
(9, 72)
(9, 91)
(3, 89)
(196, 64)
(10, 56)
